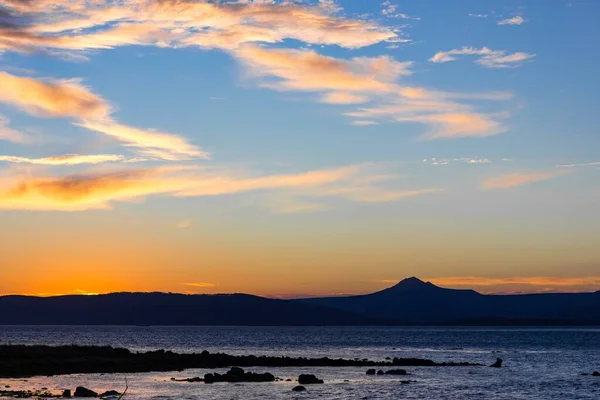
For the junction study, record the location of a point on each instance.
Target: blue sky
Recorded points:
(308, 126)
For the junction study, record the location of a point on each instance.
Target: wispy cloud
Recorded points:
(520, 178)
(151, 143)
(51, 98)
(478, 15)
(364, 123)
(526, 280)
(516, 20)
(590, 164)
(463, 160)
(99, 190)
(520, 284)
(66, 26)
(372, 80)
(390, 10)
(200, 284)
(68, 159)
(486, 57)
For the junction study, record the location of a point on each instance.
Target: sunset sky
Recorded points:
(296, 148)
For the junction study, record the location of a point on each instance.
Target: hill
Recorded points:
(413, 301)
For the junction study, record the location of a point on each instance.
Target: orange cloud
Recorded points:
(519, 178)
(361, 80)
(306, 70)
(69, 159)
(99, 190)
(54, 99)
(523, 284)
(200, 284)
(523, 280)
(65, 25)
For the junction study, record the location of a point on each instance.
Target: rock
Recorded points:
(595, 373)
(371, 371)
(7, 386)
(44, 388)
(288, 380)
(380, 372)
(110, 393)
(308, 379)
(85, 392)
(298, 389)
(396, 372)
(406, 382)
(497, 364)
(66, 393)
(237, 374)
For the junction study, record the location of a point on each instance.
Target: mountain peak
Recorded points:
(410, 284)
(413, 281)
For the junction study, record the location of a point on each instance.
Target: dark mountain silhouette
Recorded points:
(413, 301)
(410, 302)
(167, 309)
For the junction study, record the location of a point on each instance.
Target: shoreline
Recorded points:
(25, 361)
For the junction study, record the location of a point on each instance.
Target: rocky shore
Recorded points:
(19, 361)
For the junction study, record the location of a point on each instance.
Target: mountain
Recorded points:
(167, 309)
(413, 301)
(410, 302)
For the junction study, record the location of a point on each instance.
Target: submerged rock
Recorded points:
(371, 371)
(380, 372)
(595, 373)
(396, 372)
(308, 379)
(497, 364)
(85, 392)
(298, 389)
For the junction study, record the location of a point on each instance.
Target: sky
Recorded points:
(298, 148)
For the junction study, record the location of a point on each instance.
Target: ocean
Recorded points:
(539, 363)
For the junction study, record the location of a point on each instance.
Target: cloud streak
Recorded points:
(99, 190)
(516, 20)
(68, 159)
(51, 98)
(519, 178)
(485, 57)
(371, 80)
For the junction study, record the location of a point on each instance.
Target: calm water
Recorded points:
(538, 363)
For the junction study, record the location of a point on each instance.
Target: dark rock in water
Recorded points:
(497, 364)
(237, 374)
(406, 382)
(595, 373)
(308, 379)
(85, 392)
(66, 393)
(44, 388)
(396, 372)
(380, 372)
(298, 389)
(110, 393)
(371, 371)
(191, 380)
(288, 380)
(7, 386)
(388, 358)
